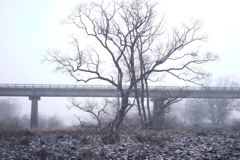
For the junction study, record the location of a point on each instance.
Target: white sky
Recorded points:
(29, 27)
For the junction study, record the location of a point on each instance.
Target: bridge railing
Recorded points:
(62, 86)
(56, 86)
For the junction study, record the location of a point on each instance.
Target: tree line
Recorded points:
(11, 117)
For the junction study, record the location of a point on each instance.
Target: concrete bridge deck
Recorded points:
(36, 91)
(55, 90)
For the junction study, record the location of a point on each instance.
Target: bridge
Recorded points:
(55, 90)
(36, 91)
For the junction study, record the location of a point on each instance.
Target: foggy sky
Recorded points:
(29, 27)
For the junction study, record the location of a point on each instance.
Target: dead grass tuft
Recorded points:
(25, 141)
(111, 138)
(202, 133)
(42, 154)
(88, 154)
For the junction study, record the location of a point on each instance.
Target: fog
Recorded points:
(29, 28)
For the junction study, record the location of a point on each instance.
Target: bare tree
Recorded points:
(10, 114)
(46, 122)
(98, 111)
(177, 114)
(9, 108)
(136, 45)
(216, 109)
(194, 112)
(54, 122)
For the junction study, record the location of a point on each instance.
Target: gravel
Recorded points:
(164, 144)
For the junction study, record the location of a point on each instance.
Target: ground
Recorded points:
(185, 144)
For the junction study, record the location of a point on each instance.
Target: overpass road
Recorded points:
(36, 91)
(55, 90)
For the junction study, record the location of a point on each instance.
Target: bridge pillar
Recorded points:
(34, 112)
(158, 113)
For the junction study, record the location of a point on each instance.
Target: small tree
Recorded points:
(54, 122)
(10, 114)
(218, 109)
(98, 111)
(9, 109)
(214, 109)
(134, 47)
(194, 112)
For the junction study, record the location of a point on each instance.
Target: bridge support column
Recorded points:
(34, 112)
(158, 113)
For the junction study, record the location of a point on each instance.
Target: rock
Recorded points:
(156, 145)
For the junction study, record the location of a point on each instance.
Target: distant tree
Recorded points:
(223, 107)
(9, 108)
(135, 48)
(10, 117)
(48, 122)
(194, 112)
(216, 110)
(54, 122)
(176, 115)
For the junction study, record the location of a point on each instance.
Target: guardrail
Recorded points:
(67, 86)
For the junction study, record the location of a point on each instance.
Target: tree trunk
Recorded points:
(148, 103)
(120, 115)
(139, 106)
(142, 104)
